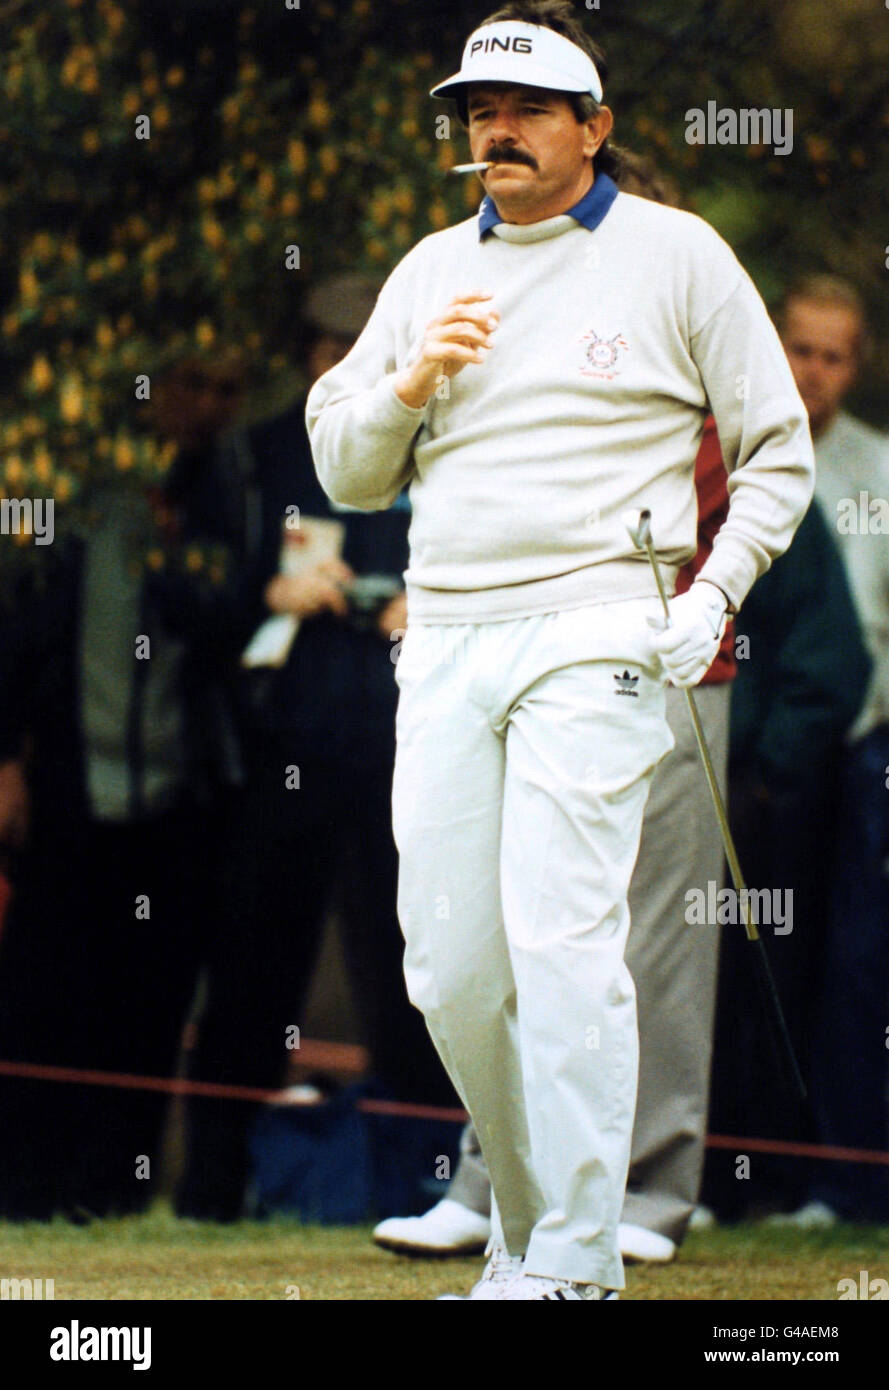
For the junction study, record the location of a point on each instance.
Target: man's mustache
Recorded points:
(505, 154)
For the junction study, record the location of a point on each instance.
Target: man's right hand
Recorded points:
(14, 804)
(460, 335)
(304, 595)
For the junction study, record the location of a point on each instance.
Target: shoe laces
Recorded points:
(501, 1266)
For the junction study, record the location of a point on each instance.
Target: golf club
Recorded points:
(638, 524)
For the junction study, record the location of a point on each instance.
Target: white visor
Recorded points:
(524, 55)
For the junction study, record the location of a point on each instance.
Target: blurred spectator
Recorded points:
(826, 336)
(115, 741)
(317, 817)
(802, 672)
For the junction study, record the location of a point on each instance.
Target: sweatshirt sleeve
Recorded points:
(764, 431)
(361, 433)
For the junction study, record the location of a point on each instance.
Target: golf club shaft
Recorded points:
(765, 970)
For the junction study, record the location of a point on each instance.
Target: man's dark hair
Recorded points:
(560, 16)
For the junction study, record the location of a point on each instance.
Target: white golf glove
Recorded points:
(697, 622)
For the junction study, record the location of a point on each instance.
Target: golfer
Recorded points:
(533, 373)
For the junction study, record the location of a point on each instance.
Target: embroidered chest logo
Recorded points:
(602, 355)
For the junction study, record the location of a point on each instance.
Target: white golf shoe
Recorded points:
(541, 1288)
(448, 1228)
(650, 1247)
(501, 1272)
(814, 1216)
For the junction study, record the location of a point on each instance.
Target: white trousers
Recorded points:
(525, 750)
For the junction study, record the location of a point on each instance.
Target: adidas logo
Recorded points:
(626, 685)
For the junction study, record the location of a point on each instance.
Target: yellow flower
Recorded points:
(380, 210)
(155, 559)
(194, 560)
(29, 287)
(817, 149)
(253, 233)
(266, 183)
(317, 190)
(319, 113)
(10, 325)
(205, 334)
(296, 156)
(438, 214)
(376, 250)
(12, 436)
(115, 19)
(116, 261)
(160, 116)
(231, 110)
(89, 82)
(175, 77)
(227, 184)
(212, 233)
(248, 72)
(62, 487)
(150, 86)
(14, 473)
(33, 425)
(290, 204)
(329, 160)
(403, 201)
(90, 141)
(131, 102)
(42, 464)
(95, 270)
(105, 335)
(41, 373)
(42, 246)
(409, 128)
(71, 400)
(381, 106)
(151, 284)
(125, 324)
(124, 455)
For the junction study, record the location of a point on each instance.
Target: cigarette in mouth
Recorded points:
(471, 168)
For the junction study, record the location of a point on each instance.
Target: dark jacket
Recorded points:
(40, 679)
(336, 696)
(803, 682)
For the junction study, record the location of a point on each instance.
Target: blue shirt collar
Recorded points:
(589, 212)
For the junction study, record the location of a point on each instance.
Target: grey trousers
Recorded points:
(674, 966)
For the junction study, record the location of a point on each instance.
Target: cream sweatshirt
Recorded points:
(612, 347)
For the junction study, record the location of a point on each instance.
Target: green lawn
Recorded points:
(157, 1257)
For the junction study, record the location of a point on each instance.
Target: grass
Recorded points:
(157, 1257)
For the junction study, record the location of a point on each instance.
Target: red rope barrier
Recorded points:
(345, 1056)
